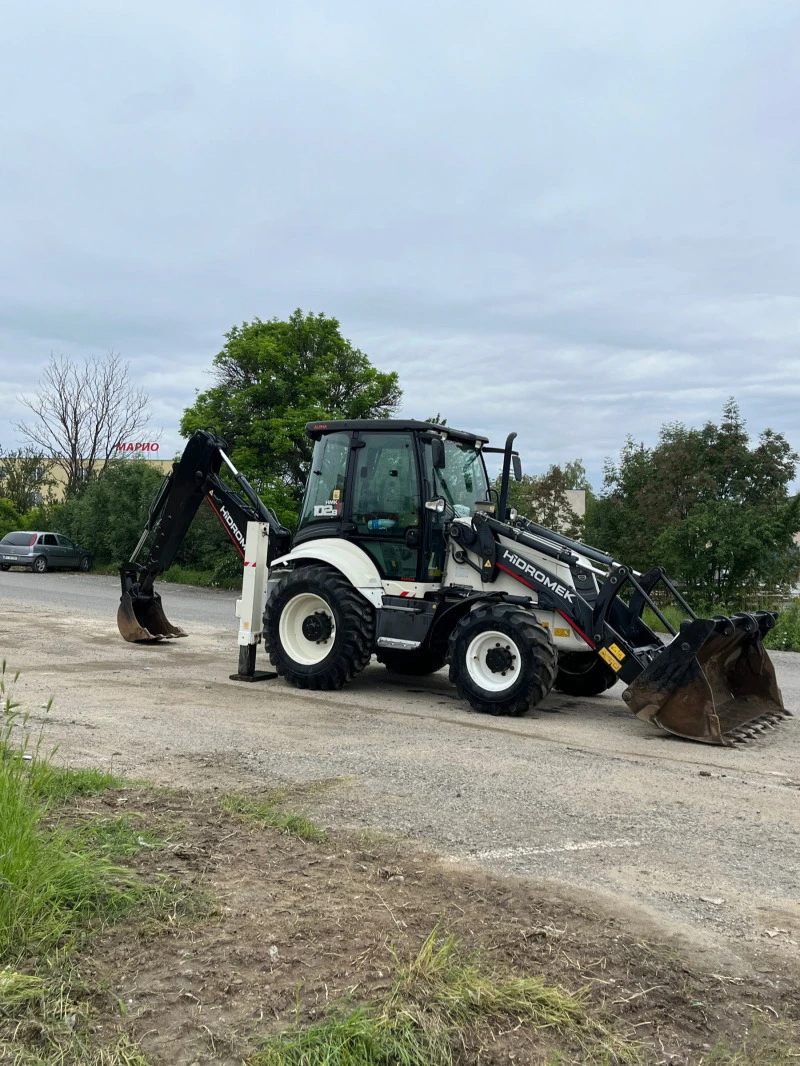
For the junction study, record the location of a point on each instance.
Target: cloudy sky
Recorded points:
(574, 220)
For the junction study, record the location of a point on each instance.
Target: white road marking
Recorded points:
(570, 845)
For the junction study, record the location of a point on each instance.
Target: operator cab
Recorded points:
(370, 480)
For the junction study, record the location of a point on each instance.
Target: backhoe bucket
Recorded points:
(142, 618)
(714, 682)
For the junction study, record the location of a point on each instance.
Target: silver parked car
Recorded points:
(42, 551)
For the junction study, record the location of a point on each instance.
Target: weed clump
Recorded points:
(48, 887)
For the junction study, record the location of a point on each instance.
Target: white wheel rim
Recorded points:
(290, 629)
(478, 668)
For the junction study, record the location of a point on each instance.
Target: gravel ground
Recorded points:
(704, 840)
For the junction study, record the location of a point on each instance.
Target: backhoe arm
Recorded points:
(192, 479)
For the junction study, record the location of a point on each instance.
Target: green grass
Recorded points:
(786, 634)
(115, 838)
(268, 812)
(674, 615)
(438, 1001)
(56, 886)
(50, 887)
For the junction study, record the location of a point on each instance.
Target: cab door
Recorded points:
(385, 506)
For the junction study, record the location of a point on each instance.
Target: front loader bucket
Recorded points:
(714, 682)
(141, 618)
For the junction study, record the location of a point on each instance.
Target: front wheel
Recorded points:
(5, 567)
(502, 661)
(582, 674)
(40, 564)
(84, 564)
(319, 631)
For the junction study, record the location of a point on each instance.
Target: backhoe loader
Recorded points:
(404, 551)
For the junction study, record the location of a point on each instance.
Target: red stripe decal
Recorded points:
(566, 617)
(225, 527)
(580, 632)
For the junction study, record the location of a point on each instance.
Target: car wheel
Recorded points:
(84, 564)
(5, 567)
(40, 564)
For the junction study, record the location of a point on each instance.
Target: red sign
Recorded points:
(146, 446)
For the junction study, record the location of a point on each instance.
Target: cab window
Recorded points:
(386, 490)
(386, 502)
(463, 481)
(324, 498)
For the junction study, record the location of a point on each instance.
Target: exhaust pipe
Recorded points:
(140, 616)
(714, 682)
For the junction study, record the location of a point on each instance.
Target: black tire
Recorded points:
(5, 566)
(40, 564)
(411, 663)
(528, 642)
(582, 674)
(351, 638)
(85, 564)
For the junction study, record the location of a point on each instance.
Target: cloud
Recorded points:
(577, 223)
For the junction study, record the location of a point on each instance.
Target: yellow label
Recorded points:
(335, 494)
(617, 651)
(562, 632)
(607, 657)
(546, 625)
(487, 563)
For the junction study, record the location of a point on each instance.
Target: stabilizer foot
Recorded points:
(257, 675)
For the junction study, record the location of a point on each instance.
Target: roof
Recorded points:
(315, 430)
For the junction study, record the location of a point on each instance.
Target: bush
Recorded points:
(9, 518)
(109, 514)
(786, 634)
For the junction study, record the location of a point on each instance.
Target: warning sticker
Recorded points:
(616, 651)
(607, 657)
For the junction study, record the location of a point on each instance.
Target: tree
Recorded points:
(705, 504)
(82, 411)
(274, 377)
(543, 497)
(24, 475)
(9, 518)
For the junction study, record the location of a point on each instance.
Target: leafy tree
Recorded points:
(24, 475)
(707, 505)
(271, 378)
(109, 515)
(9, 517)
(543, 497)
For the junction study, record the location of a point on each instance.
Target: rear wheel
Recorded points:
(583, 675)
(318, 630)
(40, 564)
(411, 663)
(5, 566)
(502, 661)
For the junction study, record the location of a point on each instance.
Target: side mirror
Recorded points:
(517, 464)
(437, 453)
(438, 505)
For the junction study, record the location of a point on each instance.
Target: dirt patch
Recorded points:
(297, 926)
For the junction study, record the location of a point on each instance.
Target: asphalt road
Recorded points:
(704, 839)
(98, 595)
